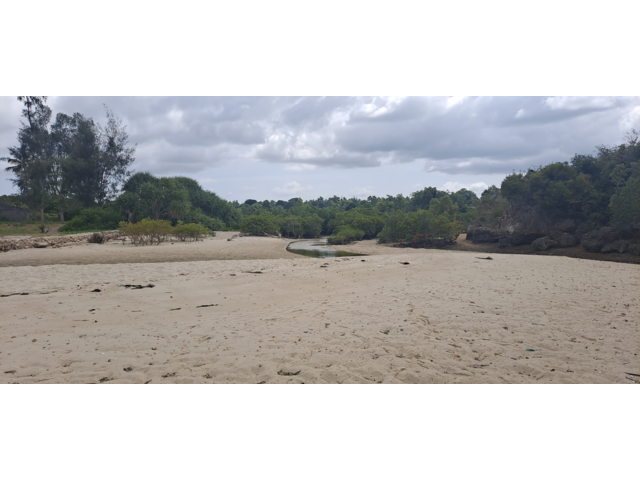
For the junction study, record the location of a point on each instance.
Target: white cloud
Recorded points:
(292, 189)
(453, 101)
(631, 120)
(477, 187)
(578, 103)
(300, 167)
(362, 192)
(175, 115)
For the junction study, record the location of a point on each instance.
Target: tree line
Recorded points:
(80, 170)
(390, 218)
(601, 189)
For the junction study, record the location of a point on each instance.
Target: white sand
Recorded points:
(216, 248)
(447, 317)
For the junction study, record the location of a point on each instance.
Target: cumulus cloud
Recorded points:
(309, 135)
(477, 187)
(291, 189)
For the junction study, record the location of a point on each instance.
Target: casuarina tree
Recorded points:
(31, 161)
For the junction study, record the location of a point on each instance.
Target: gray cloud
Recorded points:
(450, 135)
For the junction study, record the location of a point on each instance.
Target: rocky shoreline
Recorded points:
(9, 243)
(560, 235)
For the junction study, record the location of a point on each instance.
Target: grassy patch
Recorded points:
(26, 228)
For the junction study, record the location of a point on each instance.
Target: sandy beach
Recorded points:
(248, 311)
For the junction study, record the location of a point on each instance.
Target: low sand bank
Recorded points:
(212, 248)
(463, 245)
(447, 317)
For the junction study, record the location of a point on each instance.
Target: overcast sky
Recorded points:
(283, 147)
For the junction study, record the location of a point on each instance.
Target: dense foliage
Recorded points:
(73, 162)
(95, 218)
(593, 190)
(345, 234)
(427, 217)
(259, 225)
(175, 198)
(13, 200)
(436, 226)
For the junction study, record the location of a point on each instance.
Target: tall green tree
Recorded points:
(165, 198)
(116, 156)
(32, 160)
(78, 153)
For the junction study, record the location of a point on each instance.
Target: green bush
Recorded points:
(365, 219)
(147, 231)
(198, 217)
(625, 205)
(422, 228)
(93, 219)
(259, 225)
(345, 235)
(312, 226)
(395, 229)
(190, 231)
(48, 218)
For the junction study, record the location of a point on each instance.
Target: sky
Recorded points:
(283, 147)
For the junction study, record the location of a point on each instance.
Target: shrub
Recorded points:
(196, 216)
(395, 229)
(93, 219)
(345, 235)
(190, 231)
(147, 231)
(48, 217)
(259, 225)
(367, 220)
(312, 226)
(422, 228)
(625, 205)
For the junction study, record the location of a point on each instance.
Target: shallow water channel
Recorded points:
(317, 248)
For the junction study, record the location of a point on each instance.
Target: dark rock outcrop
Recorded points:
(96, 238)
(7, 243)
(634, 248)
(568, 226)
(515, 239)
(619, 246)
(595, 240)
(482, 235)
(566, 240)
(544, 243)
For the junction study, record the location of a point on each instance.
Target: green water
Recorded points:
(317, 248)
